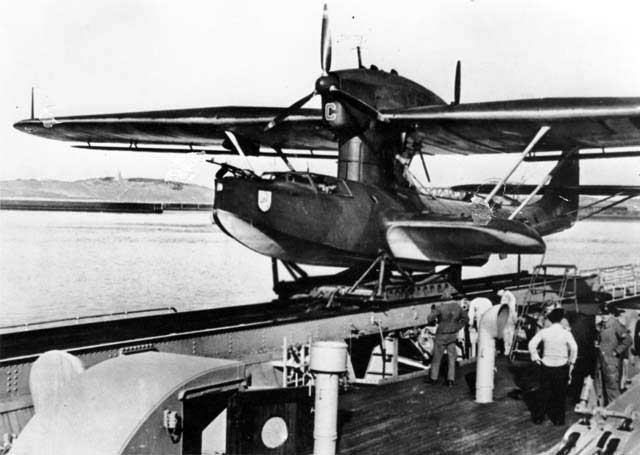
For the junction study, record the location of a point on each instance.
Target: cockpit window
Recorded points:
(294, 177)
(321, 183)
(331, 185)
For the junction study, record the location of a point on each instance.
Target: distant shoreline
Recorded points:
(629, 217)
(98, 206)
(62, 205)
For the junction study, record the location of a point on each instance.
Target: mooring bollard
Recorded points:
(328, 362)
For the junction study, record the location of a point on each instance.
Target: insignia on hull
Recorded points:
(264, 200)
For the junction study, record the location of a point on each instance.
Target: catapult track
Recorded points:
(20, 343)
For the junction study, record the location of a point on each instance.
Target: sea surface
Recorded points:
(69, 264)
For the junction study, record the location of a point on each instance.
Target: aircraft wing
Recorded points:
(587, 190)
(495, 127)
(189, 128)
(508, 126)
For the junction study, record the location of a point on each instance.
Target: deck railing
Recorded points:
(620, 281)
(78, 319)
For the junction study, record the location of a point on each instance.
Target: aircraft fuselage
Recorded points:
(296, 217)
(322, 220)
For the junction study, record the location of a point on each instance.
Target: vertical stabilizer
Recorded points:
(558, 208)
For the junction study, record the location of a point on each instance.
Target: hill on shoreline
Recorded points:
(149, 190)
(107, 189)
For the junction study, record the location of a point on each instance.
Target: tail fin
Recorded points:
(558, 208)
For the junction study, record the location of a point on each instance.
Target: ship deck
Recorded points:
(413, 417)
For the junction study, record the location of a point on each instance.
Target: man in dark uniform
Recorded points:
(451, 318)
(615, 339)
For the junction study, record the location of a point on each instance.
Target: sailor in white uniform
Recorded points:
(560, 354)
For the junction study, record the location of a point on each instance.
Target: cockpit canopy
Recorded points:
(317, 182)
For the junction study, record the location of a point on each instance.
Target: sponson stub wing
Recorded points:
(508, 126)
(452, 242)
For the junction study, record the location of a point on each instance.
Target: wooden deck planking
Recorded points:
(412, 417)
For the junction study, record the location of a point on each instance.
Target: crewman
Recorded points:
(634, 353)
(463, 334)
(451, 318)
(477, 307)
(401, 168)
(560, 354)
(614, 342)
(510, 328)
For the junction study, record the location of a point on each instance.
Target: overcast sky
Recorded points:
(112, 56)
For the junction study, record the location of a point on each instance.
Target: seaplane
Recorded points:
(374, 213)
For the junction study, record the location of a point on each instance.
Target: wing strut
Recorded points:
(424, 167)
(541, 132)
(236, 145)
(543, 182)
(282, 156)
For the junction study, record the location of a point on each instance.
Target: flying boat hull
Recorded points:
(347, 223)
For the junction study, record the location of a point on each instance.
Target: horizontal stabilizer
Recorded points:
(585, 155)
(587, 190)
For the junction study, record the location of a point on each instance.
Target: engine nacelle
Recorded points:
(368, 148)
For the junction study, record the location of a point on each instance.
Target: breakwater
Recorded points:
(98, 206)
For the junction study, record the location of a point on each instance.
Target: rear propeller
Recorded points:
(456, 86)
(327, 83)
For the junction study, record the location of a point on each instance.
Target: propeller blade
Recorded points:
(325, 43)
(32, 103)
(286, 113)
(283, 157)
(456, 88)
(358, 104)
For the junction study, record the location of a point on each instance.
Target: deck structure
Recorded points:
(400, 415)
(413, 417)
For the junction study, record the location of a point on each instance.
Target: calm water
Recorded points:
(65, 264)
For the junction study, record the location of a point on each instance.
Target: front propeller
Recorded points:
(294, 107)
(325, 43)
(327, 85)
